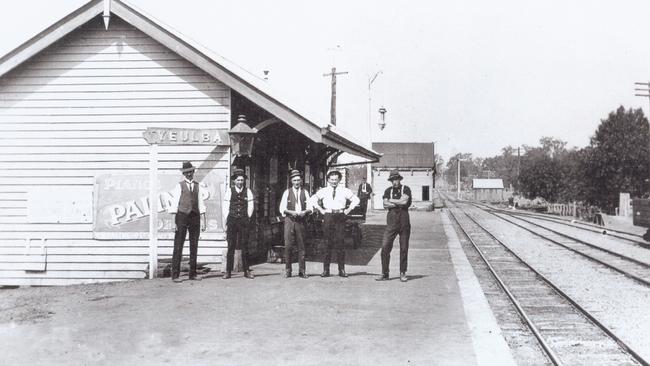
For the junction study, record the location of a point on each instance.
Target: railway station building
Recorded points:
(99, 111)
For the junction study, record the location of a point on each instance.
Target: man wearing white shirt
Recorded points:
(334, 200)
(295, 209)
(237, 211)
(186, 208)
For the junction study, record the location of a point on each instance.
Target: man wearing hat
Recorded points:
(294, 209)
(364, 193)
(397, 199)
(186, 208)
(237, 209)
(334, 199)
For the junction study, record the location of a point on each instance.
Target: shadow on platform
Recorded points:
(361, 256)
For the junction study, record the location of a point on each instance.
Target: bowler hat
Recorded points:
(238, 173)
(334, 172)
(295, 173)
(394, 174)
(187, 167)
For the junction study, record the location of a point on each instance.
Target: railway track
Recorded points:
(567, 333)
(638, 270)
(631, 238)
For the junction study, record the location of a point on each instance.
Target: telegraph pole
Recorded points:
(458, 182)
(333, 105)
(645, 90)
(518, 166)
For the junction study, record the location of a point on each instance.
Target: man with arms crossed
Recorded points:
(397, 199)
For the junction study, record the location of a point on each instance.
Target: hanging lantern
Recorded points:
(382, 122)
(242, 137)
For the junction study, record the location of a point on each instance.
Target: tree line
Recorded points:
(616, 160)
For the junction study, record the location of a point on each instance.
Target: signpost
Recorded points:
(171, 136)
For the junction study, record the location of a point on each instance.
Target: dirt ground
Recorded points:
(266, 321)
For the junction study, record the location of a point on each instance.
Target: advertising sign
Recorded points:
(122, 207)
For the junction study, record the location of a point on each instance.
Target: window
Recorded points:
(425, 193)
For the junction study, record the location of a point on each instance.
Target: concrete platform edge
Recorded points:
(489, 344)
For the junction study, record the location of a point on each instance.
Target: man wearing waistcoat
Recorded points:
(237, 209)
(294, 209)
(188, 211)
(397, 199)
(364, 193)
(334, 200)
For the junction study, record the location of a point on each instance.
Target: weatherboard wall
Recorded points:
(75, 112)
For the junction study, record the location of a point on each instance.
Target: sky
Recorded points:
(471, 76)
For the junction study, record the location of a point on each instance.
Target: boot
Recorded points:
(226, 275)
(383, 277)
(402, 277)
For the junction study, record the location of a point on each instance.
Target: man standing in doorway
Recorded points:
(186, 208)
(294, 209)
(397, 199)
(334, 200)
(237, 209)
(364, 192)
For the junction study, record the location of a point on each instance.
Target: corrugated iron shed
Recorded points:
(487, 183)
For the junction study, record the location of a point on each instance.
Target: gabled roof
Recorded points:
(405, 154)
(487, 183)
(218, 67)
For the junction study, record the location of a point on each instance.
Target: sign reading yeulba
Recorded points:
(122, 206)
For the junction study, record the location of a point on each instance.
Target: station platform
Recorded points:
(439, 317)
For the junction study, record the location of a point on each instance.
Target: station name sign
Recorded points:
(186, 136)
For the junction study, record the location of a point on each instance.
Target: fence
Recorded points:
(562, 209)
(577, 210)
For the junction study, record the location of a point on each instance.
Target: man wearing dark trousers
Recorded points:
(334, 200)
(237, 210)
(364, 193)
(294, 208)
(186, 208)
(397, 199)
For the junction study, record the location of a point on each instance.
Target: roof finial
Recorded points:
(107, 13)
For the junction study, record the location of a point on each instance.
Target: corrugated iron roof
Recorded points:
(405, 154)
(231, 74)
(487, 183)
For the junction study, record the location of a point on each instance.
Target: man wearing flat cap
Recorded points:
(397, 199)
(295, 209)
(186, 207)
(237, 212)
(334, 200)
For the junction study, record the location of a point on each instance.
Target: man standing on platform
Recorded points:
(294, 209)
(334, 200)
(237, 211)
(186, 208)
(364, 192)
(397, 199)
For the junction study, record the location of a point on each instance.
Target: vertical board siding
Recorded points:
(78, 110)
